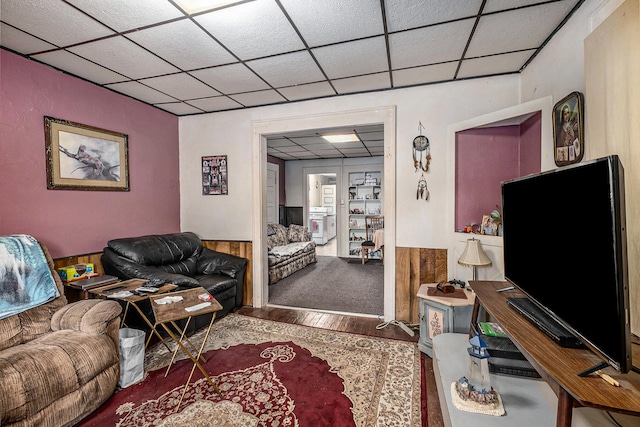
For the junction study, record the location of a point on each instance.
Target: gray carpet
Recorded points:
(336, 284)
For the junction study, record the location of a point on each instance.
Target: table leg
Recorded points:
(153, 327)
(195, 360)
(565, 408)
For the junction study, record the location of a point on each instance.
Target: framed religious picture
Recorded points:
(488, 227)
(568, 129)
(82, 157)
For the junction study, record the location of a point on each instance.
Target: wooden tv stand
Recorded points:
(559, 366)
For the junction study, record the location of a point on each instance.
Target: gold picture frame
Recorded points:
(82, 157)
(568, 129)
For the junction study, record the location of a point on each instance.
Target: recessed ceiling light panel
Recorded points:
(340, 137)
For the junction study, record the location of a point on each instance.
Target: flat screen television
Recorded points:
(564, 238)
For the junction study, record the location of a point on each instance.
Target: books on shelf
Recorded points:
(491, 329)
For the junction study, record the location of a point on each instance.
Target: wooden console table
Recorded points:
(559, 366)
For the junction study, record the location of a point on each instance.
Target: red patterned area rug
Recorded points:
(277, 375)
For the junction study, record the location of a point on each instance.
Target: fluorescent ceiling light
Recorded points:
(340, 137)
(195, 6)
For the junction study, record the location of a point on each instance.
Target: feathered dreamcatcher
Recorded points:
(421, 148)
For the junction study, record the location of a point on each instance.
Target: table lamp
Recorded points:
(474, 256)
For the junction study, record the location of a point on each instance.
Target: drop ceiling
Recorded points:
(265, 52)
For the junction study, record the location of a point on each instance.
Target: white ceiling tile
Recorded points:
(179, 108)
(79, 67)
(370, 144)
(181, 86)
(234, 78)
(184, 45)
(124, 57)
(21, 42)
(403, 15)
(324, 152)
(371, 135)
(356, 151)
(427, 74)
(123, 15)
(344, 145)
(332, 21)
(49, 20)
(252, 30)
(501, 32)
(353, 58)
(217, 103)
(311, 140)
(263, 97)
(307, 91)
(362, 83)
(498, 5)
(495, 64)
(286, 70)
(141, 92)
(282, 142)
(431, 45)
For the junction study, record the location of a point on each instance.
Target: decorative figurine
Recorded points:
(475, 394)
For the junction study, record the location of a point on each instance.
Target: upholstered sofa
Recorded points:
(58, 361)
(290, 249)
(177, 258)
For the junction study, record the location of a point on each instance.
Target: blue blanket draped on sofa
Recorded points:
(25, 276)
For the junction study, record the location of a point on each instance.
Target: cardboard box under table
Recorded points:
(167, 314)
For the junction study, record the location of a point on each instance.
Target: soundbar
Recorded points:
(544, 322)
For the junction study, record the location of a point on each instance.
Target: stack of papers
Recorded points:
(121, 294)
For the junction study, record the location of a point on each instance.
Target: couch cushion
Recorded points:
(37, 374)
(279, 238)
(215, 284)
(298, 233)
(158, 249)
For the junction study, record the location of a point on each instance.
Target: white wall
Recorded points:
(419, 222)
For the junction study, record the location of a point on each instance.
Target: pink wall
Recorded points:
(78, 222)
(487, 156)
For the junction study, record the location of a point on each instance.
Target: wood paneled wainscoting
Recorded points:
(237, 248)
(415, 266)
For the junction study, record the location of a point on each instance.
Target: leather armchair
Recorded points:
(178, 258)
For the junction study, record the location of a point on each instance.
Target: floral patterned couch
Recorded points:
(290, 249)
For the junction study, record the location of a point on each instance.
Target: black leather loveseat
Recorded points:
(180, 259)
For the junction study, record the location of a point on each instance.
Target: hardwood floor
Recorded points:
(356, 325)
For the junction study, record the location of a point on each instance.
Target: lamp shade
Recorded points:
(473, 254)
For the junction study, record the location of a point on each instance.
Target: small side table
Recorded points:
(441, 313)
(79, 289)
(167, 314)
(133, 300)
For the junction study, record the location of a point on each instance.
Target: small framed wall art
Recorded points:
(214, 175)
(82, 157)
(568, 129)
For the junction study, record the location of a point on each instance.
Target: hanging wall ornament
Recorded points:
(421, 148)
(423, 191)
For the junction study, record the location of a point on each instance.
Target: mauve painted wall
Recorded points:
(488, 155)
(80, 222)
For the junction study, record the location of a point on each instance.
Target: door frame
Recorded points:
(261, 129)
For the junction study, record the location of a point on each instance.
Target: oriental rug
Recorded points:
(276, 374)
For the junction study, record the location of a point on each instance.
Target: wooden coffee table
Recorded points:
(133, 300)
(167, 315)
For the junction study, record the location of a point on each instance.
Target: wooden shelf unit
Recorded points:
(559, 366)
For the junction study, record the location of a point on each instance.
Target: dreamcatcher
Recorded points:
(420, 148)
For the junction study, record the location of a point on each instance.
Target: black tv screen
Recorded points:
(564, 239)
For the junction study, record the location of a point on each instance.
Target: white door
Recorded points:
(329, 198)
(273, 173)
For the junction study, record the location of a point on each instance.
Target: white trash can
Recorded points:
(131, 356)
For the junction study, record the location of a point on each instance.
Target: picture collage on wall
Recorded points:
(214, 175)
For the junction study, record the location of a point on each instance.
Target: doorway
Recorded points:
(261, 129)
(322, 192)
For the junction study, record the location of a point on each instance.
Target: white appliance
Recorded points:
(318, 224)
